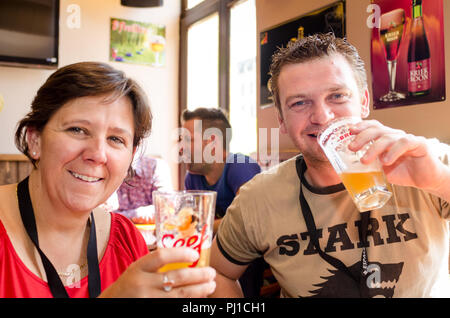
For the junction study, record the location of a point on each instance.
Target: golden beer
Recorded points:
(202, 262)
(363, 185)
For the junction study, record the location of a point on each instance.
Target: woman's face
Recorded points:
(84, 151)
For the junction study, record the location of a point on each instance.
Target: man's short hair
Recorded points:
(312, 47)
(211, 118)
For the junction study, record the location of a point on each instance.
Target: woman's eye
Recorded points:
(117, 140)
(76, 130)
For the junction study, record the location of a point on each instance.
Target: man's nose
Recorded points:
(321, 113)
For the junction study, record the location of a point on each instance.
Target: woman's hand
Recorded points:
(141, 279)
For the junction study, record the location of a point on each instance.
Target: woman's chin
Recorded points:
(83, 205)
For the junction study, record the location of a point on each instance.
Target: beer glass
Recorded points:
(365, 183)
(391, 32)
(185, 219)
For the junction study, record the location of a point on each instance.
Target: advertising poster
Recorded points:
(407, 53)
(327, 19)
(137, 42)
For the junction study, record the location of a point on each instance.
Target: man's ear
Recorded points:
(365, 104)
(33, 137)
(281, 122)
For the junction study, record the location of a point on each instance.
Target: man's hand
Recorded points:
(407, 160)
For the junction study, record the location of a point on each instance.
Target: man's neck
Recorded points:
(214, 173)
(320, 174)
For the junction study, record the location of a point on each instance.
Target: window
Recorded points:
(193, 3)
(218, 63)
(242, 106)
(203, 63)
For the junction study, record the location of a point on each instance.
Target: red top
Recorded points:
(125, 245)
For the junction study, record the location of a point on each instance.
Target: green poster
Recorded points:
(137, 42)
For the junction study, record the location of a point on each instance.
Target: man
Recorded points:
(211, 167)
(223, 172)
(405, 250)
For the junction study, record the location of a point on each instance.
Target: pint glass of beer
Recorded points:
(185, 219)
(366, 183)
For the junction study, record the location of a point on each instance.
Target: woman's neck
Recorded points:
(51, 216)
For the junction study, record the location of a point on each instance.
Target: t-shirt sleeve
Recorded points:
(232, 237)
(442, 151)
(241, 172)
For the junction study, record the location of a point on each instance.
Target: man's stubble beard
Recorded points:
(314, 157)
(198, 168)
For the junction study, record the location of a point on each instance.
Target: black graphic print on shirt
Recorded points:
(381, 279)
(381, 282)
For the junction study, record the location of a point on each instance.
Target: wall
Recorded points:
(429, 120)
(90, 42)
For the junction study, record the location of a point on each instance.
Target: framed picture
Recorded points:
(137, 42)
(327, 19)
(407, 53)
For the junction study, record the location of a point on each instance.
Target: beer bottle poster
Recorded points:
(407, 53)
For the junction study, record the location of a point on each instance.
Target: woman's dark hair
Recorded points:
(80, 80)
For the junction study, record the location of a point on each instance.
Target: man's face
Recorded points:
(313, 93)
(193, 145)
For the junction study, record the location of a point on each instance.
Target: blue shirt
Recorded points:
(238, 170)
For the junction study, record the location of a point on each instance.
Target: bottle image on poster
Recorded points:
(419, 64)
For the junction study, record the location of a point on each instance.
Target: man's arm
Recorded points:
(407, 160)
(228, 273)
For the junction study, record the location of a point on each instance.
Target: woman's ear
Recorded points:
(33, 137)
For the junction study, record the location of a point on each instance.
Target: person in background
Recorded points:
(134, 196)
(224, 172)
(208, 132)
(405, 250)
(81, 134)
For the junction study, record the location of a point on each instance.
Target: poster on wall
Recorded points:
(137, 42)
(407, 53)
(327, 19)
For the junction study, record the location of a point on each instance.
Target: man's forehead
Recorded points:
(193, 125)
(335, 69)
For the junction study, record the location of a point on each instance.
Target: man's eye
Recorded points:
(339, 97)
(298, 103)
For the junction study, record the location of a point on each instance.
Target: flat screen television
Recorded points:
(29, 33)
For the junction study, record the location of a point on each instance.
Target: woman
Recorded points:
(85, 124)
